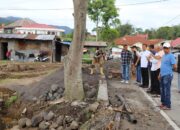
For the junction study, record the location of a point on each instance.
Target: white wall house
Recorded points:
(1, 30)
(39, 29)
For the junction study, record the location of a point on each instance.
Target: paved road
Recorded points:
(174, 114)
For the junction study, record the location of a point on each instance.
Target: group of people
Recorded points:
(154, 65)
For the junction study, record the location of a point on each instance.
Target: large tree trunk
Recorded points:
(73, 62)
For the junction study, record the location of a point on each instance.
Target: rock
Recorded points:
(15, 128)
(37, 119)
(60, 90)
(74, 125)
(24, 111)
(49, 116)
(93, 107)
(43, 126)
(68, 119)
(54, 125)
(91, 93)
(78, 103)
(52, 98)
(60, 120)
(22, 122)
(34, 99)
(50, 95)
(28, 123)
(60, 128)
(54, 87)
(14, 122)
(86, 86)
(55, 95)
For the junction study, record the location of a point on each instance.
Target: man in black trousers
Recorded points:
(144, 66)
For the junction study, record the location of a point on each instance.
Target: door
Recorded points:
(4, 49)
(58, 51)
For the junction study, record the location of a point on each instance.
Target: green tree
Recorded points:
(151, 33)
(139, 30)
(108, 34)
(102, 12)
(126, 29)
(165, 33)
(176, 31)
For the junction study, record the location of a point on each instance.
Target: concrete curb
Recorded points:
(103, 91)
(168, 119)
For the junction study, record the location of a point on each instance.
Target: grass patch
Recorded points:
(87, 59)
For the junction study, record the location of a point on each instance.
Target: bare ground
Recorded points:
(148, 118)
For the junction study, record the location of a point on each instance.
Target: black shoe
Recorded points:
(141, 86)
(149, 91)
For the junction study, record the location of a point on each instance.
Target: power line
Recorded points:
(56, 9)
(143, 3)
(172, 19)
(25, 9)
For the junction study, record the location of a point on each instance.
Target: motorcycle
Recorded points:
(42, 57)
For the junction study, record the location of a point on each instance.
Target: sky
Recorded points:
(145, 16)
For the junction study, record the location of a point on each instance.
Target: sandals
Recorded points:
(165, 108)
(161, 106)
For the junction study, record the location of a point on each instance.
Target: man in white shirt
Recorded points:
(158, 57)
(144, 66)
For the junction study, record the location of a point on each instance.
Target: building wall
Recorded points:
(34, 31)
(27, 48)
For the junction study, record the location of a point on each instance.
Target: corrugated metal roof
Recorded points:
(13, 36)
(45, 37)
(66, 43)
(28, 37)
(95, 44)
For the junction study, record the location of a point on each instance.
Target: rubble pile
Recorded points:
(53, 120)
(90, 91)
(49, 120)
(55, 92)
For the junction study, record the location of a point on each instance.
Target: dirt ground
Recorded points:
(146, 115)
(33, 86)
(35, 79)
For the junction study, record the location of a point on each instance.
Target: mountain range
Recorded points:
(11, 19)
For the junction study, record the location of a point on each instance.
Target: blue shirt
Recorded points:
(168, 60)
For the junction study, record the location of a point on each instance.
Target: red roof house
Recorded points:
(175, 43)
(131, 40)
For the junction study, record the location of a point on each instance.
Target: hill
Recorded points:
(67, 29)
(11, 19)
(7, 20)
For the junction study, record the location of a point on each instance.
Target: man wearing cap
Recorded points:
(166, 76)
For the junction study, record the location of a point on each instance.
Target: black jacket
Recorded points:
(178, 64)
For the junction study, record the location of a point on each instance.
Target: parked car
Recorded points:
(176, 54)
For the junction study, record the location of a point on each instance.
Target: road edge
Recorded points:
(168, 119)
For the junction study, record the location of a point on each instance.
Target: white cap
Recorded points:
(167, 45)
